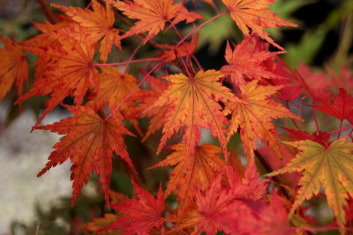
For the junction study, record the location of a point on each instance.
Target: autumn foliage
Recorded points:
(265, 188)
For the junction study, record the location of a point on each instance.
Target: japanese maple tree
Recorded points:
(213, 184)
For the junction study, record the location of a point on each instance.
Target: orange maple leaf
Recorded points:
(153, 15)
(66, 69)
(254, 116)
(13, 68)
(113, 88)
(253, 16)
(191, 172)
(99, 23)
(89, 141)
(192, 103)
(146, 98)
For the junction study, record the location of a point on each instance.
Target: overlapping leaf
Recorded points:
(254, 15)
(147, 97)
(197, 170)
(67, 69)
(113, 88)
(254, 116)
(99, 24)
(89, 141)
(139, 215)
(245, 61)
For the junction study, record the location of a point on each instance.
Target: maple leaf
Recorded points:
(152, 15)
(317, 136)
(315, 83)
(253, 16)
(272, 218)
(13, 67)
(52, 36)
(190, 172)
(235, 208)
(173, 51)
(89, 142)
(248, 185)
(339, 106)
(215, 203)
(288, 78)
(193, 103)
(70, 71)
(245, 61)
(328, 167)
(99, 23)
(113, 88)
(146, 98)
(254, 116)
(139, 215)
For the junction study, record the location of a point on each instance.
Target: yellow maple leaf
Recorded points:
(329, 167)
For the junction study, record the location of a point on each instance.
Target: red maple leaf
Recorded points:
(246, 61)
(89, 141)
(315, 83)
(98, 23)
(339, 106)
(139, 215)
(236, 207)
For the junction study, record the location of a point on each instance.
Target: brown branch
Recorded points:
(47, 11)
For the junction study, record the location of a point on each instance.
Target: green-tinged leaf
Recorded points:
(324, 167)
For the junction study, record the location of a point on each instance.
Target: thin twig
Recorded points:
(201, 25)
(47, 11)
